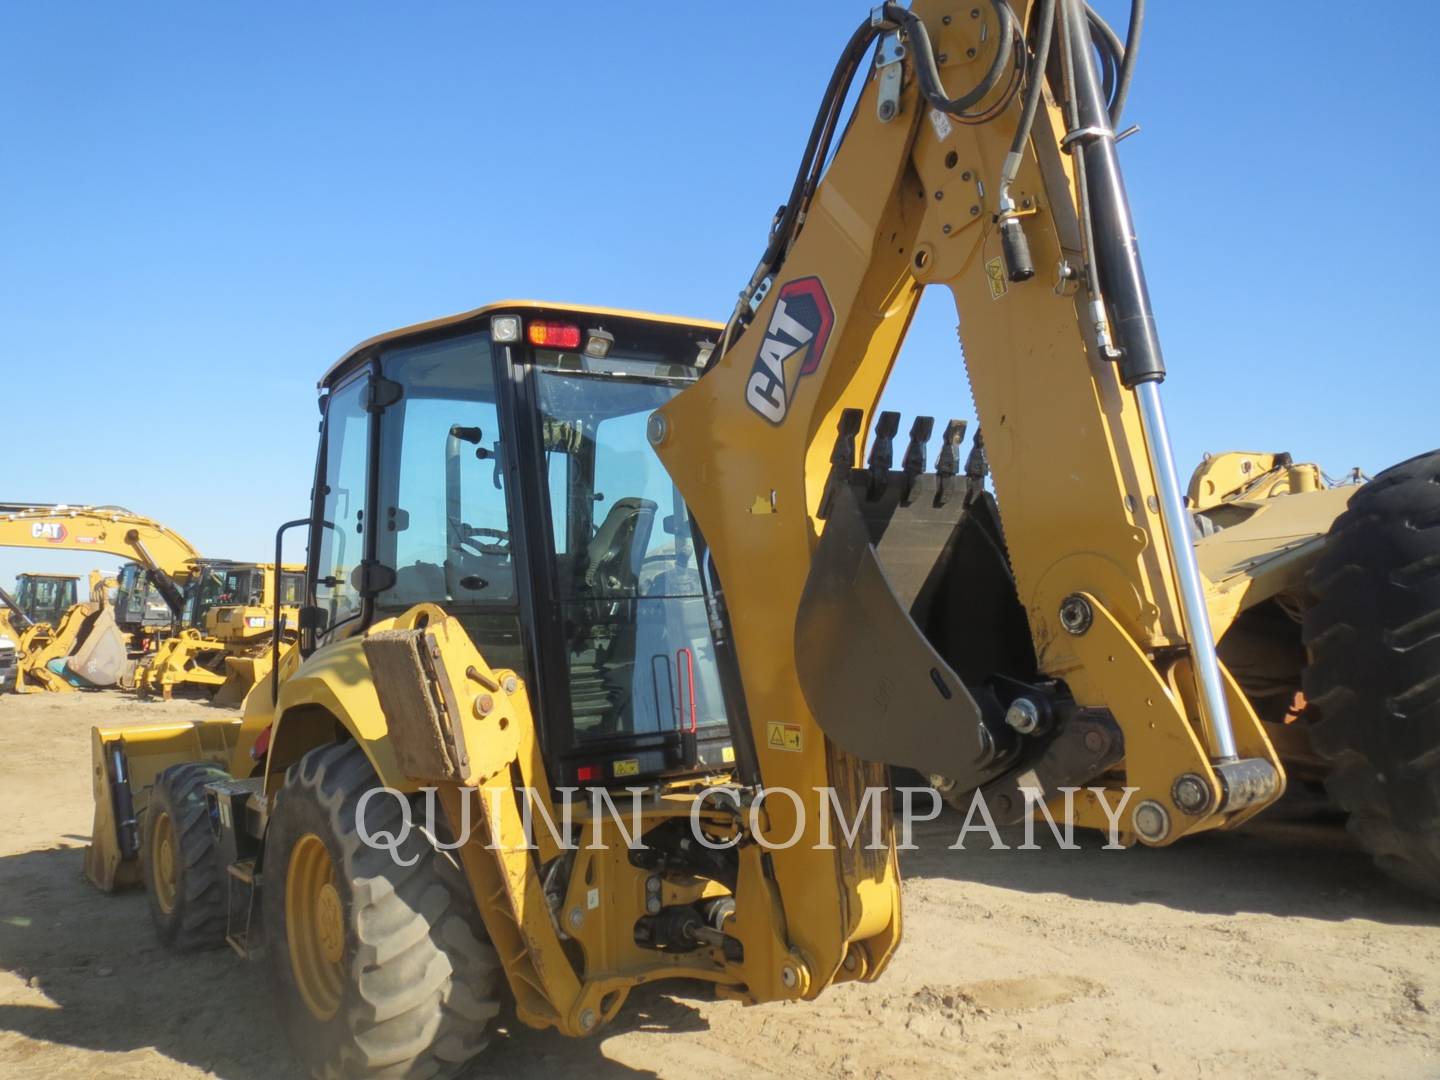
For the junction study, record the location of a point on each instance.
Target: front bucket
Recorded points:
(124, 764)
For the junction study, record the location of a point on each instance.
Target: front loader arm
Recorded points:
(1084, 483)
(162, 551)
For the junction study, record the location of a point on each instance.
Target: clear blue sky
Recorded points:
(204, 205)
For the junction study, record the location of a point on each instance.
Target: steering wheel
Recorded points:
(471, 545)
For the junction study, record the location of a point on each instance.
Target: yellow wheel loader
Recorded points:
(223, 644)
(87, 647)
(613, 622)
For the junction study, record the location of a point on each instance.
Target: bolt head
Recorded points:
(652, 905)
(1094, 741)
(789, 976)
(587, 1020)
(511, 685)
(657, 429)
(887, 112)
(1076, 614)
(1023, 715)
(1151, 822)
(1191, 794)
(483, 704)
(577, 917)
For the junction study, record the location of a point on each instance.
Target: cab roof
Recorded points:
(512, 307)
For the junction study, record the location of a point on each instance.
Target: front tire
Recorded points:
(1372, 683)
(378, 969)
(184, 881)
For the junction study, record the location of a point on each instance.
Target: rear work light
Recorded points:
(554, 335)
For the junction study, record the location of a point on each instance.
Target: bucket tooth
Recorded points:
(882, 452)
(947, 462)
(842, 457)
(913, 464)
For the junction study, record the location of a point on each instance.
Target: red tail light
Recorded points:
(554, 335)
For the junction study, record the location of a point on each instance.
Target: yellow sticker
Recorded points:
(995, 274)
(628, 767)
(727, 755)
(783, 736)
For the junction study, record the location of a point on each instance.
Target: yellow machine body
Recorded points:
(904, 203)
(232, 652)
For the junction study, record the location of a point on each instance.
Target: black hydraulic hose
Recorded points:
(807, 176)
(924, 55)
(820, 134)
(1127, 62)
(1045, 13)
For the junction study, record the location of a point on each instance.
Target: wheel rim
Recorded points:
(315, 926)
(162, 859)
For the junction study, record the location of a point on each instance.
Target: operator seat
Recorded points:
(612, 558)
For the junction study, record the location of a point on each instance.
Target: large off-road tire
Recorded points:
(378, 969)
(1373, 677)
(184, 880)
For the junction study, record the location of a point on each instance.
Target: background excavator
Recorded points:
(86, 647)
(556, 548)
(177, 619)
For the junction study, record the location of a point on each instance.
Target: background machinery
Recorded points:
(557, 548)
(86, 646)
(222, 642)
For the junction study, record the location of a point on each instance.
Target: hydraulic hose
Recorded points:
(1015, 247)
(929, 75)
(807, 177)
(1127, 62)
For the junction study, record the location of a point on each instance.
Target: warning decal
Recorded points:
(995, 274)
(783, 736)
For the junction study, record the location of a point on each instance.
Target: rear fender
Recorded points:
(328, 695)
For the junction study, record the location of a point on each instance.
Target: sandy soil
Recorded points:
(1276, 951)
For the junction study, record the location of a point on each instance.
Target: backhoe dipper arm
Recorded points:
(164, 553)
(17, 616)
(1064, 364)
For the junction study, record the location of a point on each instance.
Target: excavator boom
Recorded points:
(108, 529)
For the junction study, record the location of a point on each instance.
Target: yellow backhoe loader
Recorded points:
(28, 617)
(559, 550)
(86, 646)
(223, 644)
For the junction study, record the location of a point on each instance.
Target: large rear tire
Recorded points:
(378, 969)
(184, 881)
(1372, 682)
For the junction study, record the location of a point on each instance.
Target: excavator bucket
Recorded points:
(242, 673)
(100, 657)
(86, 651)
(124, 765)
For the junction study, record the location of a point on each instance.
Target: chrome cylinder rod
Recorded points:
(1215, 715)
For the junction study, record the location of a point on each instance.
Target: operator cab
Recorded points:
(139, 606)
(45, 598)
(225, 584)
(496, 464)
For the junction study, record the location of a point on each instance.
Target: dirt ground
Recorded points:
(1275, 951)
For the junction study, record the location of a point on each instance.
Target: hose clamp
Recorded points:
(1085, 134)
